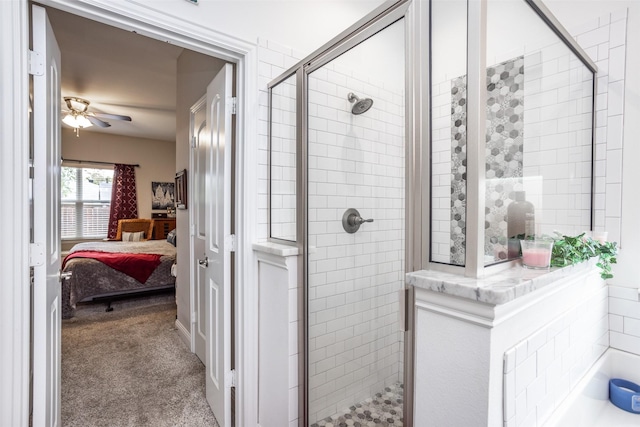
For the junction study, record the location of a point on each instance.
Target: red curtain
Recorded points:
(124, 198)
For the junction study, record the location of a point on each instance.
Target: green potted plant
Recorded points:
(569, 250)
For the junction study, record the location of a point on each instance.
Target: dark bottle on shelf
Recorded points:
(520, 223)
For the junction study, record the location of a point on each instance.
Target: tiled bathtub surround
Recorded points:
(540, 371)
(624, 318)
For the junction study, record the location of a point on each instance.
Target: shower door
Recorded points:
(356, 231)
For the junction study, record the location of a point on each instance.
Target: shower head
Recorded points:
(361, 105)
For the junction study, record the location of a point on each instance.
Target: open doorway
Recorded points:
(155, 83)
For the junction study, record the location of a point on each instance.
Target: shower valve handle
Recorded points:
(351, 220)
(355, 219)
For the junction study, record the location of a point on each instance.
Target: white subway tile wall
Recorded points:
(558, 140)
(554, 90)
(605, 41)
(273, 60)
(355, 161)
(624, 318)
(540, 371)
(283, 159)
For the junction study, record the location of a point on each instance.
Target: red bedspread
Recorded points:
(138, 266)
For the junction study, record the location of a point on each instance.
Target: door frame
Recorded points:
(15, 303)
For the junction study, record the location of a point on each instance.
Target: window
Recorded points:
(86, 200)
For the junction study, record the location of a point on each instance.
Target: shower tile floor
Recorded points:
(382, 410)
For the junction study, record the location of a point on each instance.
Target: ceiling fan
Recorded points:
(78, 117)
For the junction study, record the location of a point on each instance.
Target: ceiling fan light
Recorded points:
(71, 120)
(83, 122)
(77, 104)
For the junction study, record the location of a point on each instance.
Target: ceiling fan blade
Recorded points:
(112, 116)
(97, 122)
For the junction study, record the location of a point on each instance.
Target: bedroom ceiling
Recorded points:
(119, 72)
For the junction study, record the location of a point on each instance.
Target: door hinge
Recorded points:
(230, 243)
(193, 142)
(36, 63)
(194, 317)
(230, 380)
(36, 254)
(234, 105)
(192, 230)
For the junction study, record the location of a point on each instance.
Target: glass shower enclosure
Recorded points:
(337, 191)
(356, 159)
(400, 145)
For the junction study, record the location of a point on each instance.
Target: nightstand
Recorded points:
(162, 227)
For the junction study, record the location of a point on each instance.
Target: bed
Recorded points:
(123, 268)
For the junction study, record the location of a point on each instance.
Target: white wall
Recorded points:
(304, 25)
(157, 159)
(277, 282)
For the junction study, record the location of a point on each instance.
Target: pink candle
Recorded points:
(536, 253)
(536, 257)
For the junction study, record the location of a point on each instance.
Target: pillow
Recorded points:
(171, 237)
(132, 237)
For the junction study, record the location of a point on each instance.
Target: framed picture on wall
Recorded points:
(181, 189)
(162, 195)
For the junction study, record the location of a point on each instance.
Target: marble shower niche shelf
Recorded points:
(496, 289)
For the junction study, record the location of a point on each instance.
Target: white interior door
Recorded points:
(46, 202)
(199, 149)
(218, 245)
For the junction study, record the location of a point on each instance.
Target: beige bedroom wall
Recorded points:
(195, 72)
(157, 159)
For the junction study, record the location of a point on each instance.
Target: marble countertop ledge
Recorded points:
(499, 288)
(276, 249)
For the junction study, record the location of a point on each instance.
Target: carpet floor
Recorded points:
(129, 368)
